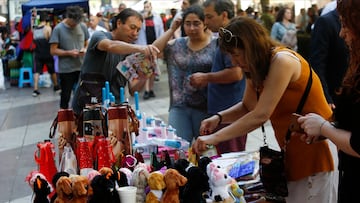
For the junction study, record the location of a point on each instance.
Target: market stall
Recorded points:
(30, 15)
(59, 6)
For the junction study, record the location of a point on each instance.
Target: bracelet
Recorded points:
(220, 118)
(322, 124)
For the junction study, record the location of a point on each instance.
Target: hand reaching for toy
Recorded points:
(208, 125)
(203, 143)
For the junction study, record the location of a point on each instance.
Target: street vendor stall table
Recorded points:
(58, 5)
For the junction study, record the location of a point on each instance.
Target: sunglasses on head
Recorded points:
(227, 36)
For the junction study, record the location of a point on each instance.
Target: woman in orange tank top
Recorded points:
(276, 80)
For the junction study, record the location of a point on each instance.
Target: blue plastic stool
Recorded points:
(22, 79)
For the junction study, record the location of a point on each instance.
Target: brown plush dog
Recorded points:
(157, 184)
(173, 180)
(80, 189)
(63, 190)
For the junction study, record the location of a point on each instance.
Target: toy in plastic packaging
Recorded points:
(136, 64)
(68, 161)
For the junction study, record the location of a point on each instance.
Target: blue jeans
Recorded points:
(186, 121)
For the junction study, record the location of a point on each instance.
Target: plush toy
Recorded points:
(139, 157)
(219, 182)
(92, 174)
(128, 174)
(63, 190)
(173, 180)
(80, 188)
(182, 165)
(165, 159)
(196, 187)
(54, 180)
(118, 176)
(106, 170)
(40, 186)
(104, 191)
(139, 180)
(155, 164)
(157, 184)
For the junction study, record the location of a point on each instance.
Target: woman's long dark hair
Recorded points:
(349, 12)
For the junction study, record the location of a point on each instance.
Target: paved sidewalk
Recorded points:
(25, 120)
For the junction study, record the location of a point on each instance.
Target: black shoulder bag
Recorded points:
(272, 163)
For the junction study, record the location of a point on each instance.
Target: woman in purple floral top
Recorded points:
(185, 56)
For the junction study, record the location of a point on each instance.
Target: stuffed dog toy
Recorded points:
(173, 180)
(63, 190)
(104, 190)
(73, 189)
(157, 184)
(80, 189)
(54, 180)
(117, 176)
(182, 165)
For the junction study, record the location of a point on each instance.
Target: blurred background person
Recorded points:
(267, 18)
(184, 5)
(42, 54)
(69, 41)
(121, 7)
(173, 12)
(329, 54)
(283, 26)
(103, 22)
(151, 29)
(312, 17)
(302, 20)
(93, 26)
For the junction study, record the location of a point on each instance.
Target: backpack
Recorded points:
(290, 38)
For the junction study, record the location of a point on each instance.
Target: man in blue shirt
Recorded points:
(225, 82)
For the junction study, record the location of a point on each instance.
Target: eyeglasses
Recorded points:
(228, 36)
(196, 24)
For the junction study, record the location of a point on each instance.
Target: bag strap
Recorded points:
(302, 102)
(53, 127)
(298, 109)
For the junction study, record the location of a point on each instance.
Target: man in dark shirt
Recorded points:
(107, 49)
(329, 54)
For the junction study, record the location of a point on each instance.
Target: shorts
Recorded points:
(40, 62)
